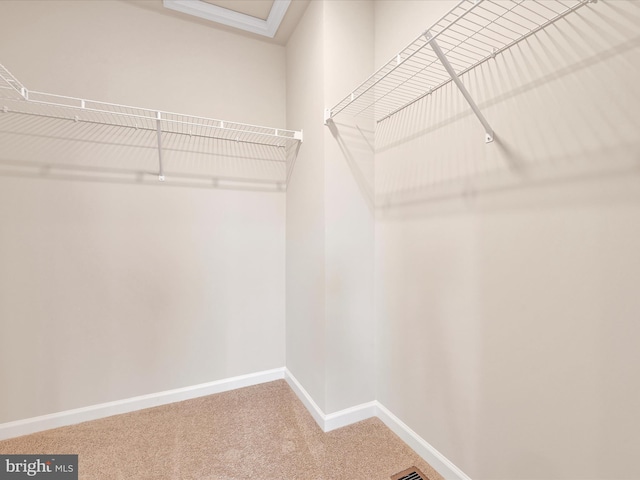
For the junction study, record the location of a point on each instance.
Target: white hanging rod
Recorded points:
(472, 32)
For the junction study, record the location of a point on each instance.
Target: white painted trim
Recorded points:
(345, 417)
(276, 15)
(326, 422)
(350, 415)
(94, 412)
(214, 13)
(334, 420)
(433, 457)
(313, 408)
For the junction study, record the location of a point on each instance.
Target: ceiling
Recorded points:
(272, 20)
(254, 8)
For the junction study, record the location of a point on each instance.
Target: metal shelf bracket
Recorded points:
(465, 93)
(327, 115)
(159, 130)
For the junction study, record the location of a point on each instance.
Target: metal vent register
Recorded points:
(412, 473)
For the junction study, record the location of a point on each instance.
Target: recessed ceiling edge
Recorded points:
(214, 13)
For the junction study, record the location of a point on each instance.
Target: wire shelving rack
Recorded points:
(17, 99)
(472, 32)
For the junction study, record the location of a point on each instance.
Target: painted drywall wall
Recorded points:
(506, 273)
(349, 214)
(305, 271)
(330, 334)
(111, 290)
(146, 57)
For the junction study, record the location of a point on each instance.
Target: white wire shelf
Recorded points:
(16, 99)
(469, 34)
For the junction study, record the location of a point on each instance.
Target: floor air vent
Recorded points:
(410, 474)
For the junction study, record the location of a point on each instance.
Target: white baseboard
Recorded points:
(94, 412)
(326, 422)
(375, 409)
(349, 415)
(313, 408)
(432, 456)
(334, 420)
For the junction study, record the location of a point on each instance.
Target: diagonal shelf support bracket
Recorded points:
(454, 76)
(159, 131)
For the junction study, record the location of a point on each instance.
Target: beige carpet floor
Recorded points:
(261, 432)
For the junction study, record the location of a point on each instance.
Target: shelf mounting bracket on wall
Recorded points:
(159, 130)
(465, 93)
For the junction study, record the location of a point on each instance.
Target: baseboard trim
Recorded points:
(433, 457)
(334, 420)
(313, 408)
(345, 417)
(326, 422)
(350, 415)
(94, 412)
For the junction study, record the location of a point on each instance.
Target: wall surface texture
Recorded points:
(506, 274)
(330, 331)
(111, 290)
(349, 212)
(305, 277)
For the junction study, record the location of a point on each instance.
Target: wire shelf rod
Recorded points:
(109, 125)
(472, 32)
(392, 90)
(501, 49)
(150, 114)
(143, 128)
(105, 113)
(528, 34)
(495, 52)
(122, 115)
(350, 98)
(447, 52)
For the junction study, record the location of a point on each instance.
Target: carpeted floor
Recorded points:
(261, 432)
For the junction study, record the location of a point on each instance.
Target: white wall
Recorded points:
(111, 290)
(349, 211)
(506, 273)
(306, 350)
(131, 53)
(330, 328)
